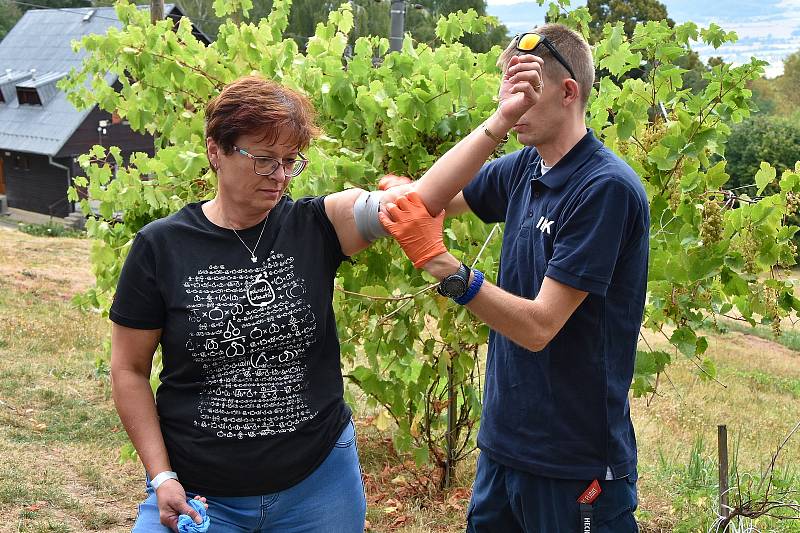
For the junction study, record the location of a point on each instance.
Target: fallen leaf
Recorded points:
(400, 521)
(35, 506)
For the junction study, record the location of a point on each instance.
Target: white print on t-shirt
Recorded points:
(544, 225)
(249, 329)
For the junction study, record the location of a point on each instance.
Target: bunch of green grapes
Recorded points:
(771, 303)
(647, 139)
(788, 261)
(747, 246)
(653, 133)
(792, 203)
(713, 224)
(674, 196)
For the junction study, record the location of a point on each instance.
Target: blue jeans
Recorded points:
(330, 500)
(507, 500)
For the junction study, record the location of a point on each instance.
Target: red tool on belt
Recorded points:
(586, 500)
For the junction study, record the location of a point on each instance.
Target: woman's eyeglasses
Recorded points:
(266, 166)
(527, 42)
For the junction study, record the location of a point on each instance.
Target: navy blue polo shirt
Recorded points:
(563, 412)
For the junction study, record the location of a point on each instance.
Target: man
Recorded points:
(566, 311)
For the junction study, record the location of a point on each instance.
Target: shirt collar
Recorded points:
(571, 162)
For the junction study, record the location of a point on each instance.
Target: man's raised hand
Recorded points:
(521, 86)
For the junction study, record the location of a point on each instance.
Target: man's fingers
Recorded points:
(523, 67)
(525, 88)
(530, 76)
(529, 58)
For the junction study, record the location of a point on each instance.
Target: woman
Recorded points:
(237, 291)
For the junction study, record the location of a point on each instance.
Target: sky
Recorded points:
(767, 29)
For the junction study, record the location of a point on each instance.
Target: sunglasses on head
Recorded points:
(527, 42)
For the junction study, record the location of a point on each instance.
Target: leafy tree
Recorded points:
(629, 12)
(693, 79)
(370, 17)
(789, 82)
(9, 15)
(202, 15)
(414, 354)
(779, 96)
(775, 140)
(766, 96)
(422, 23)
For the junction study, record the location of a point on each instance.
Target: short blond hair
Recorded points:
(571, 45)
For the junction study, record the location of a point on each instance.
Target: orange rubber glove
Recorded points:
(390, 180)
(417, 232)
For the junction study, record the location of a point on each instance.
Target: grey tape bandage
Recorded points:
(365, 214)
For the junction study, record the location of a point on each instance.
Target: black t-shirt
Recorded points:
(251, 395)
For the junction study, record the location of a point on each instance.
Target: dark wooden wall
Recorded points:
(120, 135)
(33, 184)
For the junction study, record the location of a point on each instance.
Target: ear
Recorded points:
(571, 91)
(212, 152)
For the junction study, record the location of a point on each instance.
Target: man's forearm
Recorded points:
(455, 169)
(514, 317)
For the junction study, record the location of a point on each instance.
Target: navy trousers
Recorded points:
(507, 500)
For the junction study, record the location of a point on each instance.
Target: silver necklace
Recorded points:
(251, 250)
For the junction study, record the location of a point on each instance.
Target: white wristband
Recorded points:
(161, 478)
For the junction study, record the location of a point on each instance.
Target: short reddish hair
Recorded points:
(252, 105)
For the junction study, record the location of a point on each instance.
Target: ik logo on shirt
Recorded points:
(544, 225)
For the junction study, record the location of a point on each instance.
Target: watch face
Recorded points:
(453, 287)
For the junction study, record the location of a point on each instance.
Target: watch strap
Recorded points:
(161, 478)
(472, 290)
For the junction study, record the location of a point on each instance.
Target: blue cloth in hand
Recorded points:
(187, 525)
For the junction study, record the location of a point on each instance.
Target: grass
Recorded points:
(50, 229)
(789, 338)
(60, 438)
(59, 433)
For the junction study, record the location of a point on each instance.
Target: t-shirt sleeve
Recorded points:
(333, 247)
(138, 302)
(592, 236)
(488, 193)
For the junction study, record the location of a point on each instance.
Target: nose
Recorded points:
(279, 175)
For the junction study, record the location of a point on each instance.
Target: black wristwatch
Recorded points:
(455, 285)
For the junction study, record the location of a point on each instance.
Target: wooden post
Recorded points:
(156, 10)
(722, 445)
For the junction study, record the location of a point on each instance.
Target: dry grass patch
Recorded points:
(59, 433)
(51, 268)
(677, 432)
